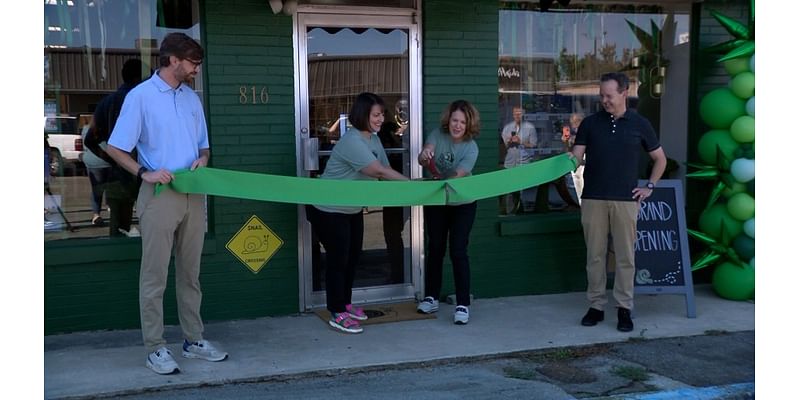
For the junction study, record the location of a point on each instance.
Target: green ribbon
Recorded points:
(298, 190)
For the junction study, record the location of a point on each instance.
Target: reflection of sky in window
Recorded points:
(110, 24)
(346, 42)
(536, 34)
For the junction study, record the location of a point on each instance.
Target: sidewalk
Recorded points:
(109, 363)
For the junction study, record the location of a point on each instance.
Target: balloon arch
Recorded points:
(727, 152)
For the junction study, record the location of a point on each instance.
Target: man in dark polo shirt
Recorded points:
(611, 140)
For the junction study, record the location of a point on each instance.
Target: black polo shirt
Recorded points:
(613, 147)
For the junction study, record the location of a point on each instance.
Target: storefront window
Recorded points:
(88, 44)
(550, 63)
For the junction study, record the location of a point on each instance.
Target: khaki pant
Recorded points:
(599, 218)
(167, 220)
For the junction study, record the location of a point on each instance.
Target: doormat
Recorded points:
(380, 313)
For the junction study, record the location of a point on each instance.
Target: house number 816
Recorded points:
(248, 95)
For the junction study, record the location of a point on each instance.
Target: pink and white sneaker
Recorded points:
(344, 323)
(356, 313)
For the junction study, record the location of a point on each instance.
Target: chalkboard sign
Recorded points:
(662, 245)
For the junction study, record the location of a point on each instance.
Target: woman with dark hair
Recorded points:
(358, 155)
(450, 152)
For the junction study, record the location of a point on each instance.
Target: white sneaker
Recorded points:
(131, 233)
(461, 316)
(203, 350)
(428, 305)
(161, 362)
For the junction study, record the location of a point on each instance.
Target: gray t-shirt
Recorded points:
(350, 155)
(450, 156)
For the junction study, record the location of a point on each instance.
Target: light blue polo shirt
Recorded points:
(350, 155)
(166, 126)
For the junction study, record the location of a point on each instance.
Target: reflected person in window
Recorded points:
(358, 155)
(394, 218)
(612, 139)
(163, 119)
(120, 187)
(452, 149)
(518, 136)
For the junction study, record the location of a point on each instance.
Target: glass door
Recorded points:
(340, 56)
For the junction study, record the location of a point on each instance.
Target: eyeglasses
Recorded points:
(194, 63)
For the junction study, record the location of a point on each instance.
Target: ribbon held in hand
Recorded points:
(299, 190)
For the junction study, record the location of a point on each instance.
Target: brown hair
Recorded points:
(622, 80)
(179, 45)
(470, 112)
(359, 113)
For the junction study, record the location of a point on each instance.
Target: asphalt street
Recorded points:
(715, 365)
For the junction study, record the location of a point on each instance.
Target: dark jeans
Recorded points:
(455, 222)
(393, 223)
(98, 177)
(343, 236)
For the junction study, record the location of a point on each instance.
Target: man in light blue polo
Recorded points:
(163, 119)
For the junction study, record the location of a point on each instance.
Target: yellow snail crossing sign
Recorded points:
(254, 244)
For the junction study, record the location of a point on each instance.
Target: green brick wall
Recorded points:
(247, 45)
(93, 284)
(460, 42)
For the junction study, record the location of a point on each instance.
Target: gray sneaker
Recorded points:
(203, 350)
(461, 316)
(161, 362)
(428, 305)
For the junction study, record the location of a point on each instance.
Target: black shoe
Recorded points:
(592, 317)
(624, 322)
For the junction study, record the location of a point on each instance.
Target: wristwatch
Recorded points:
(141, 172)
(651, 185)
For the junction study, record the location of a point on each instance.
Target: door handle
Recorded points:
(311, 154)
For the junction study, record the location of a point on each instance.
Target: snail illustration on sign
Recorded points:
(254, 244)
(643, 277)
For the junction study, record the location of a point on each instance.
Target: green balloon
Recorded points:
(737, 187)
(744, 85)
(716, 218)
(743, 129)
(707, 147)
(720, 107)
(744, 246)
(742, 207)
(735, 66)
(734, 282)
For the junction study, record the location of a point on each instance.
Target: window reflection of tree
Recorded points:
(557, 58)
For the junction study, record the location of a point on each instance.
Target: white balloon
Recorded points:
(751, 107)
(750, 227)
(743, 169)
(753, 63)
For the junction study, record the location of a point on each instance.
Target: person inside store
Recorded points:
(611, 140)
(358, 155)
(98, 171)
(518, 136)
(394, 218)
(452, 149)
(121, 188)
(163, 119)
